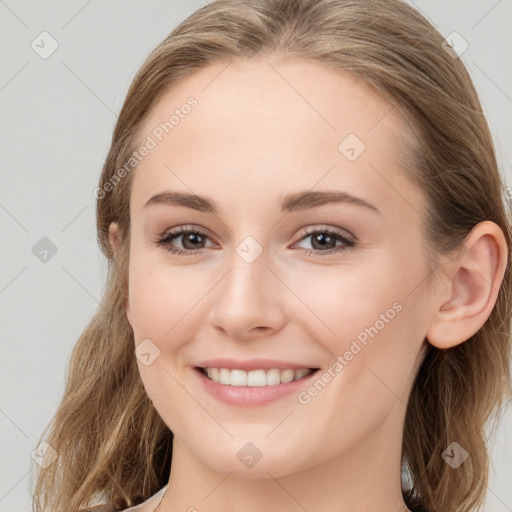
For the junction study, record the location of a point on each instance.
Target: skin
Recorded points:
(263, 130)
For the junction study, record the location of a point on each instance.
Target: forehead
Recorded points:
(288, 125)
(304, 90)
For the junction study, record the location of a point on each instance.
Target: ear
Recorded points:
(113, 236)
(115, 244)
(473, 278)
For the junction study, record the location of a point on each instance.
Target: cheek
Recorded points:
(341, 302)
(368, 326)
(367, 316)
(160, 296)
(165, 306)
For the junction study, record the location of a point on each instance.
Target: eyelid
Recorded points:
(308, 230)
(188, 228)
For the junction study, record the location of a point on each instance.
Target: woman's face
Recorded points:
(277, 271)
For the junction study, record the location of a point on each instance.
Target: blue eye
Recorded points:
(323, 238)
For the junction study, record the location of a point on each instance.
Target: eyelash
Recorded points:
(165, 241)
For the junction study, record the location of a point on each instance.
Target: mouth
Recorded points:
(255, 378)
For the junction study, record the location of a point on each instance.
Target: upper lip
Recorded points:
(252, 364)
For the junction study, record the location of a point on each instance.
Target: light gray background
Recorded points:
(57, 119)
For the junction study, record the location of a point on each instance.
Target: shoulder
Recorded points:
(108, 508)
(98, 508)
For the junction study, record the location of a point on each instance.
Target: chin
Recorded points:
(246, 461)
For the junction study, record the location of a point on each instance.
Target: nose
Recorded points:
(249, 300)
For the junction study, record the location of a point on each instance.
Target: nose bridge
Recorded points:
(248, 296)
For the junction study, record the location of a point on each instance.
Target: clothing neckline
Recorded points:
(144, 506)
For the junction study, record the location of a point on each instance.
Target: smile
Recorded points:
(255, 378)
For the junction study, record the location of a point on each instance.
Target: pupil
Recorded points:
(323, 240)
(192, 236)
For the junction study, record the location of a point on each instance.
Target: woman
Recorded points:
(308, 301)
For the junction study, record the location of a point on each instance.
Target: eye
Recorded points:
(324, 241)
(192, 240)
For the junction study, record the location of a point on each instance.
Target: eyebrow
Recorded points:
(292, 202)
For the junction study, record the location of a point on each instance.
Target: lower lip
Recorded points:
(250, 396)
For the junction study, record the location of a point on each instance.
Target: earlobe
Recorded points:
(475, 277)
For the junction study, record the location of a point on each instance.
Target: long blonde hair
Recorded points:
(112, 445)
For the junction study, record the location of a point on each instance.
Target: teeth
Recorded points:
(255, 378)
